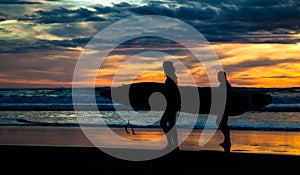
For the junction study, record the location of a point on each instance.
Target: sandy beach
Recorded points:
(267, 151)
(243, 141)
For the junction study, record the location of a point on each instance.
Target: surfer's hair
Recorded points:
(169, 67)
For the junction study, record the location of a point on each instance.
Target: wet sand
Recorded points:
(251, 151)
(250, 141)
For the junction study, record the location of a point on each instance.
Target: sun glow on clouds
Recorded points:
(123, 69)
(261, 65)
(146, 67)
(247, 65)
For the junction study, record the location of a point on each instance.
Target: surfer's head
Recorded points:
(169, 67)
(222, 76)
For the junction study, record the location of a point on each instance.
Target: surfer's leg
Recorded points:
(173, 129)
(165, 127)
(164, 122)
(167, 123)
(225, 129)
(226, 144)
(174, 136)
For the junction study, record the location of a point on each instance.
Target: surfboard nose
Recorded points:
(260, 100)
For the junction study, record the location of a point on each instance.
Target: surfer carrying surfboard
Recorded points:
(223, 121)
(172, 95)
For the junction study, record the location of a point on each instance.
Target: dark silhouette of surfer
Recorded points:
(129, 125)
(223, 119)
(172, 95)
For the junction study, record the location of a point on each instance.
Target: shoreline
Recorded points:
(243, 141)
(252, 151)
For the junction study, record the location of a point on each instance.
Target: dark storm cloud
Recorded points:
(146, 44)
(243, 21)
(28, 46)
(17, 2)
(223, 21)
(76, 42)
(106, 10)
(122, 4)
(94, 18)
(62, 15)
(230, 20)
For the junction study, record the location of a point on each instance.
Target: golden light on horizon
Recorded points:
(261, 65)
(247, 65)
(40, 83)
(150, 77)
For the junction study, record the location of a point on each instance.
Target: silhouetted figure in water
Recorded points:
(223, 121)
(172, 95)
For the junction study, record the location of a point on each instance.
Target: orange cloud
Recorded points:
(247, 65)
(150, 77)
(261, 65)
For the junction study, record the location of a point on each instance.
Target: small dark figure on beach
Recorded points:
(172, 95)
(223, 121)
(129, 125)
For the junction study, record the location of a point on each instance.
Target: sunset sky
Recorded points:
(257, 41)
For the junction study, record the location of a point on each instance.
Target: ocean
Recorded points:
(54, 106)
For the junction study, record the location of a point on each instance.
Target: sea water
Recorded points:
(54, 106)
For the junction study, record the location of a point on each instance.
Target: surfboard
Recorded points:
(201, 100)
